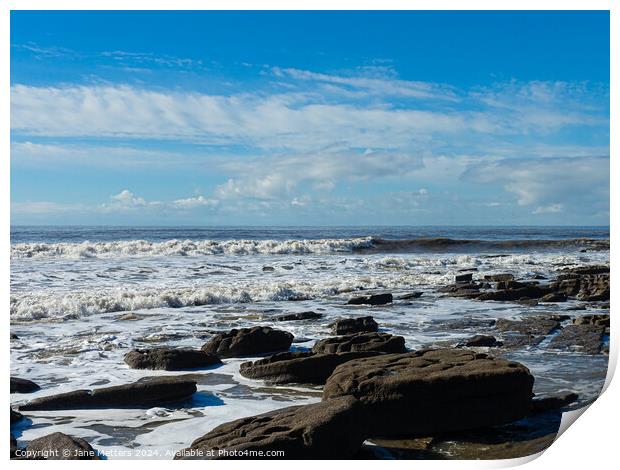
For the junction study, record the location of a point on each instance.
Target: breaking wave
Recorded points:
(287, 247)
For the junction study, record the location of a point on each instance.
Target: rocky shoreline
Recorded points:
(376, 393)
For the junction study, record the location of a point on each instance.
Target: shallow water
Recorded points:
(67, 300)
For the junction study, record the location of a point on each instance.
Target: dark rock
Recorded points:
(326, 430)
(23, 386)
(412, 295)
(467, 269)
(559, 317)
(299, 316)
(138, 394)
(587, 339)
(16, 416)
(298, 367)
(248, 342)
(14, 336)
(602, 320)
(542, 405)
(499, 277)
(554, 297)
(59, 446)
(13, 447)
(170, 359)
(528, 302)
(463, 278)
(588, 283)
(530, 292)
(433, 391)
(268, 268)
(479, 341)
(594, 269)
(377, 299)
(530, 331)
(347, 326)
(376, 342)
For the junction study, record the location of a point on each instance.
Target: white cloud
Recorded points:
(197, 201)
(550, 209)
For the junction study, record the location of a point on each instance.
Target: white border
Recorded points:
(590, 444)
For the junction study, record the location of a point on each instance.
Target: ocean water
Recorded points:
(70, 287)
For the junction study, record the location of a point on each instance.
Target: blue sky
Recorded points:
(322, 118)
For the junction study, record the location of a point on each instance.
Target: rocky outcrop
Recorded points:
(298, 367)
(463, 278)
(587, 339)
(375, 342)
(377, 299)
(59, 446)
(299, 316)
(326, 430)
(153, 392)
(499, 277)
(248, 342)
(554, 297)
(433, 391)
(530, 331)
(600, 320)
(170, 359)
(15, 416)
(542, 405)
(23, 385)
(511, 294)
(347, 326)
(587, 283)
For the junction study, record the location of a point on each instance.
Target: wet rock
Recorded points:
(463, 278)
(130, 316)
(542, 405)
(587, 339)
(433, 391)
(376, 342)
(480, 341)
(138, 394)
(23, 386)
(326, 430)
(411, 295)
(499, 277)
(16, 416)
(529, 292)
(299, 316)
(594, 269)
(59, 446)
(170, 359)
(601, 320)
(377, 299)
(530, 331)
(587, 283)
(248, 341)
(268, 269)
(347, 326)
(528, 302)
(298, 367)
(554, 297)
(13, 447)
(14, 336)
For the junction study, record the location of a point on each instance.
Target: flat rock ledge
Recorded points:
(327, 430)
(298, 367)
(375, 342)
(170, 359)
(248, 342)
(375, 299)
(431, 391)
(135, 395)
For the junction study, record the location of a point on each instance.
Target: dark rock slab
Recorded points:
(298, 367)
(23, 385)
(554, 297)
(299, 316)
(542, 405)
(375, 342)
(463, 278)
(138, 394)
(587, 339)
(499, 277)
(326, 430)
(480, 341)
(505, 295)
(59, 446)
(248, 342)
(411, 295)
(347, 326)
(377, 299)
(170, 359)
(434, 391)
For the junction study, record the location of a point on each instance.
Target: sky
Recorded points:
(309, 118)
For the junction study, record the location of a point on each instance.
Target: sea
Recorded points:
(72, 288)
